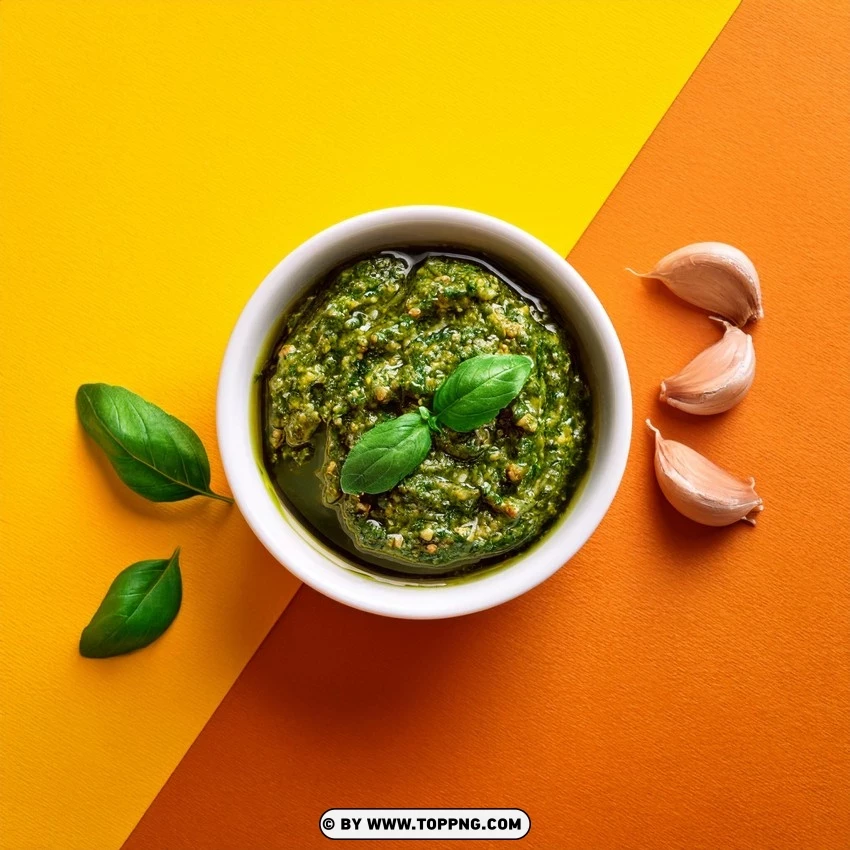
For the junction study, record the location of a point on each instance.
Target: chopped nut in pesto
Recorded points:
(374, 342)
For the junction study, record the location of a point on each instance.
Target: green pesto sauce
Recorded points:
(375, 341)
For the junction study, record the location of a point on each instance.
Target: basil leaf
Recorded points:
(385, 454)
(154, 454)
(479, 388)
(139, 606)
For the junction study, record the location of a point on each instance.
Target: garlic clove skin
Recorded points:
(717, 378)
(701, 490)
(715, 276)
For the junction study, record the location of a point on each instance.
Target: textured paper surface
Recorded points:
(157, 159)
(675, 687)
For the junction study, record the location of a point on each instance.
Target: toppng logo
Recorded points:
(354, 824)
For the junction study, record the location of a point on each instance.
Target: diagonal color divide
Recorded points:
(157, 158)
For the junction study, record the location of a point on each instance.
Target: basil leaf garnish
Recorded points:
(469, 398)
(155, 455)
(385, 454)
(139, 606)
(479, 388)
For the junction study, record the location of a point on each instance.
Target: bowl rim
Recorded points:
(291, 544)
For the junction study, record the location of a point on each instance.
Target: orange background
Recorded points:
(675, 686)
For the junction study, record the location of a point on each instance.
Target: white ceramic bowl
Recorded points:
(289, 541)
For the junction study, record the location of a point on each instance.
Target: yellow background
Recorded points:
(156, 159)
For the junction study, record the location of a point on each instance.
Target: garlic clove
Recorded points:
(717, 378)
(701, 490)
(717, 277)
